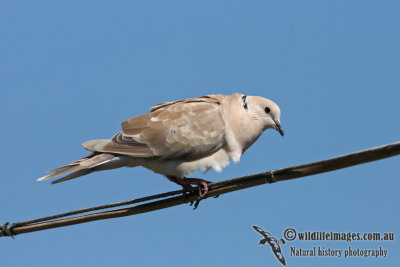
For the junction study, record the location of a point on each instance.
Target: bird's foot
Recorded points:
(202, 192)
(187, 183)
(185, 186)
(199, 182)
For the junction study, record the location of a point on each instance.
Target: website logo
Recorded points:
(272, 242)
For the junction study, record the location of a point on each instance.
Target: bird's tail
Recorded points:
(91, 163)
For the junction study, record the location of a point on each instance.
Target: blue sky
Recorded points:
(73, 71)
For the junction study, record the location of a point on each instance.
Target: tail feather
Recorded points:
(90, 163)
(75, 163)
(73, 176)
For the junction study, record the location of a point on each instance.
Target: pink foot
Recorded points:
(186, 184)
(199, 183)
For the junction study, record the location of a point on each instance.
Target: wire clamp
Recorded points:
(269, 177)
(8, 229)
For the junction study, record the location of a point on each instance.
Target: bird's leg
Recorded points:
(199, 183)
(186, 184)
(185, 187)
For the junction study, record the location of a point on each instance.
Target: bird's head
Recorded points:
(264, 110)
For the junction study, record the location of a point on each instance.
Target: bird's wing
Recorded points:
(259, 230)
(190, 129)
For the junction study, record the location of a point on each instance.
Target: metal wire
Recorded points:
(101, 207)
(170, 199)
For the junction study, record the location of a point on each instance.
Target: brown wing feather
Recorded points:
(190, 129)
(119, 145)
(207, 98)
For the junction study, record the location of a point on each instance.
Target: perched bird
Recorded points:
(180, 137)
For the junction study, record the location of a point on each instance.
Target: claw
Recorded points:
(197, 203)
(186, 184)
(185, 189)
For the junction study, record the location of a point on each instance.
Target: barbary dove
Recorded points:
(179, 137)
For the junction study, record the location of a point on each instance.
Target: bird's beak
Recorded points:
(278, 127)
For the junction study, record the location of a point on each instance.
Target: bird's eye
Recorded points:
(267, 110)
